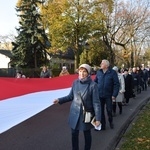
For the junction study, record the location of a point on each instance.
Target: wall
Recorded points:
(4, 60)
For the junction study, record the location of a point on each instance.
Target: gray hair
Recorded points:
(106, 61)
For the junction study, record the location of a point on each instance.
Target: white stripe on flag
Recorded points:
(16, 110)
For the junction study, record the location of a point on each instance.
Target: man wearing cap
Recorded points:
(83, 91)
(108, 86)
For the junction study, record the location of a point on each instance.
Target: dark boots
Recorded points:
(114, 108)
(120, 107)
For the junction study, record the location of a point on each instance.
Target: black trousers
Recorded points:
(75, 139)
(108, 103)
(119, 105)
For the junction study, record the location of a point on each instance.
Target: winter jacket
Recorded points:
(129, 85)
(89, 94)
(136, 78)
(145, 74)
(45, 74)
(108, 83)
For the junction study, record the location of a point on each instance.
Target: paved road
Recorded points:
(49, 130)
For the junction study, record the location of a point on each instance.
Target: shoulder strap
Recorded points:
(80, 96)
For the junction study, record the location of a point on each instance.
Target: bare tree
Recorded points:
(128, 27)
(5, 41)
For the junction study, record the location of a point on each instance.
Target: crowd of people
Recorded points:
(110, 88)
(45, 72)
(19, 74)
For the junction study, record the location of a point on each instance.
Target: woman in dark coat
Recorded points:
(128, 86)
(89, 94)
(45, 73)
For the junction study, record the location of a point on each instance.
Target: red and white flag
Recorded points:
(23, 98)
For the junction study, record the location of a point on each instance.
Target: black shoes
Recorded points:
(120, 112)
(114, 114)
(103, 127)
(111, 125)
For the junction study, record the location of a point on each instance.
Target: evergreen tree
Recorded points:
(31, 43)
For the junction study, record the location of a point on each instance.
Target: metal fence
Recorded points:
(7, 72)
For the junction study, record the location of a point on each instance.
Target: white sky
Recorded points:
(8, 17)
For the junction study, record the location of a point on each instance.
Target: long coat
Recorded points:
(129, 84)
(120, 96)
(136, 79)
(90, 97)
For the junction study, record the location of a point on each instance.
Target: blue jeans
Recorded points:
(75, 139)
(108, 102)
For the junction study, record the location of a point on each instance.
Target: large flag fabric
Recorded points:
(23, 98)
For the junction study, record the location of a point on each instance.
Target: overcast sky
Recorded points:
(8, 17)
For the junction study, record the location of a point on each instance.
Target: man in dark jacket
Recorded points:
(108, 86)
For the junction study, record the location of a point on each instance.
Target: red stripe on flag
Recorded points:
(12, 87)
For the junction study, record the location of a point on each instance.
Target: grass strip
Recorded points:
(138, 137)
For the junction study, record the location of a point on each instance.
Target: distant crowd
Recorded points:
(136, 80)
(131, 81)
(45, 72)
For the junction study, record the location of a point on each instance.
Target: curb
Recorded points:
(118, 138)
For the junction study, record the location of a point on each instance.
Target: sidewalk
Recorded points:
(49, 129)
(109, 139)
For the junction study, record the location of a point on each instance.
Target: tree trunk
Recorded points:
(132, 60)
(76, 60)
(110, 50)
(35, 59)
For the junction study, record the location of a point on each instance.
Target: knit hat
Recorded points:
(87, 67)
(64, 67)
(115, 68)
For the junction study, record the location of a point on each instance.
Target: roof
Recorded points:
(6, 53)
(68, 54)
